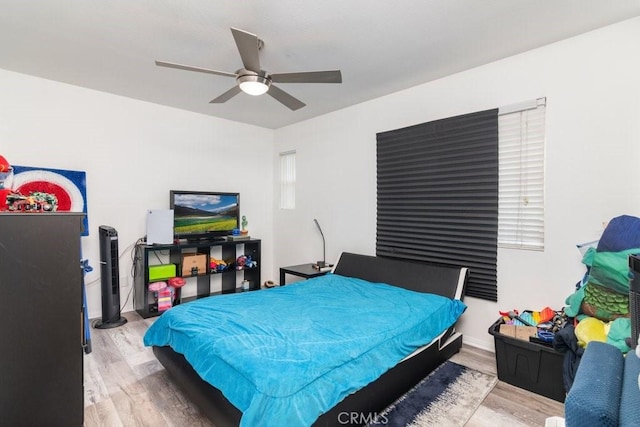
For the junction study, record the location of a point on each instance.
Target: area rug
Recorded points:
(446, 397)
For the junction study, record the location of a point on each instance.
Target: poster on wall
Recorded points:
(48, 190)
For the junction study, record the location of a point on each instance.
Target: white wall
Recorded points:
(592, 85)
(134, 153)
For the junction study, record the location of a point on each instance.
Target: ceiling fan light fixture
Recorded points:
(254, 88)
(253, 80)
(253, 83)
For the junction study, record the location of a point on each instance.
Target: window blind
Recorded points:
(288, 180)
(437, 195)
(521, 176)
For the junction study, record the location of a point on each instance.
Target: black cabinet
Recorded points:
(172, 258)
(41, 377)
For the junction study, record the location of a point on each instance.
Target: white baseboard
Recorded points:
(477, 344)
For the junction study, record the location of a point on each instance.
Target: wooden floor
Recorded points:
(506, 405)
(126, 386)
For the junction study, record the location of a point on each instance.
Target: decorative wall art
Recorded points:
(47, 190)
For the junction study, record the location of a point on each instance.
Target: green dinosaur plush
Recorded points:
(609, 269)
(604, 303)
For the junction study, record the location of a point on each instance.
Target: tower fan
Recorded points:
(110, 279)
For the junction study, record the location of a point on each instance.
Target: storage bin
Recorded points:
(165, 299)
(160, 272)
(194, 264)
(531, 366)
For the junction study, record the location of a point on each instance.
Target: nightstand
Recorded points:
(303, 270)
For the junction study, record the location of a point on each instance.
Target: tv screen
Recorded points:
(204, 214)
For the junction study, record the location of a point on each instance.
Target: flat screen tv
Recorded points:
(204, 214)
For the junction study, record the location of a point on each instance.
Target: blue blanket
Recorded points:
(286, 355)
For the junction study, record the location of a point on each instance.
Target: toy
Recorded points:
(590, 329)
(240, 262)
(165, 298)
(244, 231)
(5, 172)
(547, 314)
(217, 265)
(249, 262)
(177, 282)
(36, 201)
(157, 286)
(513, 314)
(245, 261)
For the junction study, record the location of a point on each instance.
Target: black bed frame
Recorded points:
(363, 405)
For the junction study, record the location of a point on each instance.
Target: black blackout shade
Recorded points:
(438, 195)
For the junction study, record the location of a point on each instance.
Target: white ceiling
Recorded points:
(380, 46)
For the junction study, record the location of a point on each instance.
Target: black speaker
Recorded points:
(110, 279)
(634, 298)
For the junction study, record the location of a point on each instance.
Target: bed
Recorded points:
(303, 369)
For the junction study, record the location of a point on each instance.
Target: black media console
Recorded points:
(146, 301)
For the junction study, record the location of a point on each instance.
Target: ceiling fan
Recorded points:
(252, 79)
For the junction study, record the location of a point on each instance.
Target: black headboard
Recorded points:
(413, 275)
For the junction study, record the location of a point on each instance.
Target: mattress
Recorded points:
(284, 356)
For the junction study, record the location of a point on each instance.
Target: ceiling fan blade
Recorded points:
(286, 99)
(226, 96)
(331, 76)
(248, 46)
(190, 68)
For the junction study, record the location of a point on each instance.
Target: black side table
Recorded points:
(303, 270)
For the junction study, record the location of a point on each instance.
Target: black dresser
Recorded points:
(41, 319)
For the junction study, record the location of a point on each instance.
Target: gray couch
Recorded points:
(605, 391)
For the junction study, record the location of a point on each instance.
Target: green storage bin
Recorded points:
(164, 271)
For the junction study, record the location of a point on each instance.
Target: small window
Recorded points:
(288, 180)
(521, 130)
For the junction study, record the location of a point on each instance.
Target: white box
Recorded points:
(160, 226)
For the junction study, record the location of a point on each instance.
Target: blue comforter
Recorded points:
(286, 355)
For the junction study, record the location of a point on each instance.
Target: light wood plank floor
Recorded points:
(126, 386)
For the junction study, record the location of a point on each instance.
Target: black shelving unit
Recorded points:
(149, 255)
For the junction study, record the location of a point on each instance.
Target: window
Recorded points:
(288, 180)
(452, 190)
(438, 196)
(521, 175)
